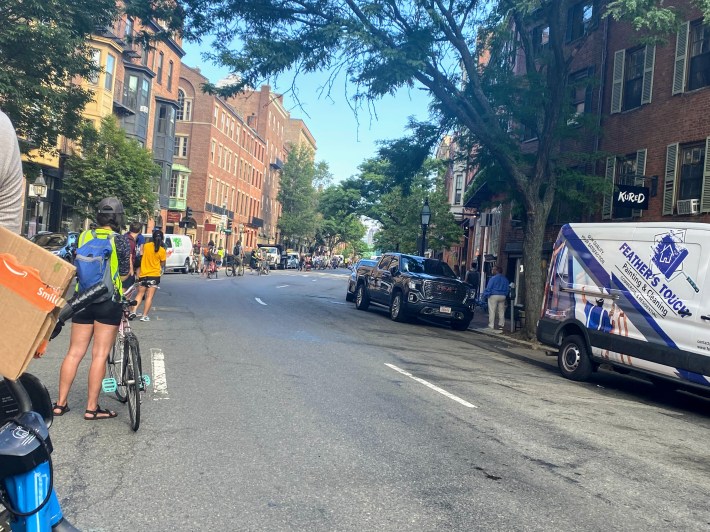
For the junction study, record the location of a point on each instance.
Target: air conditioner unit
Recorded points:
(689, 206)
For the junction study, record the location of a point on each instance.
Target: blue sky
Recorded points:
(344, 140)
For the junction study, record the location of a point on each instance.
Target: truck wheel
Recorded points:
(460, 325)
(362, 301)
(397, 311)
(349, 297)
(186, 268)
(573, 359)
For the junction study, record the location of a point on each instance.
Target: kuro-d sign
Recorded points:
(631, 197)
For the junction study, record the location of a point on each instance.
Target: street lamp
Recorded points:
(39, 192)
(426, 216)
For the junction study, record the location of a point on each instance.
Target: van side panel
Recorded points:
(635, 290)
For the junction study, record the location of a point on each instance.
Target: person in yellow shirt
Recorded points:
(152, 265)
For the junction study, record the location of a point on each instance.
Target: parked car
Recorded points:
(413, 286)
(61, 244)
(178, 249)
(292, 261)
(352, 280)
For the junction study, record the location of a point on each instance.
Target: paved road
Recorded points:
(284, 408)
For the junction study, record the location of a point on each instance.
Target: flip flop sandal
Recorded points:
(95, 414)
(63, 409)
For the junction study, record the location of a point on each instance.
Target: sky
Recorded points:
(343, 139)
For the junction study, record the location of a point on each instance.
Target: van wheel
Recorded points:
(186, 268)
(362, 301)
(573, 359)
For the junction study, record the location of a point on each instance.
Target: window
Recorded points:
(219, 156)
(212, 150)
(626, 170)
(581, 88)
(162, 119)
(541, 39)
(580, 18)
(180, 146)
(216, 115)
(130, 99)
(129, 28)
(224, 116)
(458, 189)
(96, 61)
(692, 161)
(170, 76)
(159, 74)
(181, 104)
(110, 65)
(144, 55)
(699, 71)
(633, 78)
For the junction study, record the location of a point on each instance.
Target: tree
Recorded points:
(340, 224)
(297, 194)
(110, 164)
(438, 46)
(43, 48)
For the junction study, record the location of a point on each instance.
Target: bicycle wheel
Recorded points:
(240, 270)
(133, 378)
(114, 365)
(230, 270)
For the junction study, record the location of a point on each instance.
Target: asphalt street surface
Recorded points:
(276, 405)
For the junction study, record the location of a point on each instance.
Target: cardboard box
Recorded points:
(32, 283)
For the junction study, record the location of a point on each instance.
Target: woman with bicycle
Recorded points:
(152, 265)
(208, 258)
(98, 321)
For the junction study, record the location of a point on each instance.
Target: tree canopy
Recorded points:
(110, 164)
(43, 48)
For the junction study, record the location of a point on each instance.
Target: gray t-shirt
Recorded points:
(12, 186)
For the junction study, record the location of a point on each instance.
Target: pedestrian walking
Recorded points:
(473, 279)
(152, 264)
(99, 320)
(12, 180)
(496, 292)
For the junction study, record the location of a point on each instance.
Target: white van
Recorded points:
(630, 295)
(178, 249)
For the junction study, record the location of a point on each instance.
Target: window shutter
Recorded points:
(640, 173)
(705, 195)
(609, 182)
(617, 86)
(669, 179)
(649, 59)
(681, 53)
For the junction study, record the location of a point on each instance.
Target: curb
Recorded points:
(485, 331)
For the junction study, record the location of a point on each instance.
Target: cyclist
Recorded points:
(99, 320)
(12, 182)
(152, 265)
(197, 254)
(254, 259)
(208, 256)
(220, 256)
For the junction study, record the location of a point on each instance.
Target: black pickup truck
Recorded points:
(415, 286)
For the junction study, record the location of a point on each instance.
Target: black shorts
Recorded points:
(106, 312)
(149, 281)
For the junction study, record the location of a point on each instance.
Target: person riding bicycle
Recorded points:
(237, 251)
(208, 256)
(254, 259)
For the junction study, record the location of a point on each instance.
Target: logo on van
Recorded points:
(668, 252)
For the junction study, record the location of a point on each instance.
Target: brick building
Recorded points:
(226, 158)
(265, 113)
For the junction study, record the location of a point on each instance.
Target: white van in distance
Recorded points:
(178, 249)
(631, 295)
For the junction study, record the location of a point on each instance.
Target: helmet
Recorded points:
(600, 301)
(157, 233)
(210, 243)
(110, 206)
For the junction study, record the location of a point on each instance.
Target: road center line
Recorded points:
(160, 381)
(282, 286)
(260, 301)
(430, 385)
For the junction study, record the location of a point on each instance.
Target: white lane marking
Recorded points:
(282, 286)
(160, 381)
(259, 301)
(314, 280)
(430, 385)
(339, 302)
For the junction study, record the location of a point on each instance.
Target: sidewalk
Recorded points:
(479, 325)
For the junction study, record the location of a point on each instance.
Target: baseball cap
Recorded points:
(110, 206)
(158, 233)
(600, 301)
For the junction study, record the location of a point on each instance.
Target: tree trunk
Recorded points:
(534, 273)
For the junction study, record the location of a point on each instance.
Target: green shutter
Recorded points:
(609, 182)
(705, 196)
(681, 54)
(669, 179)
(649, 59)
(640, 173)
(617, 84)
